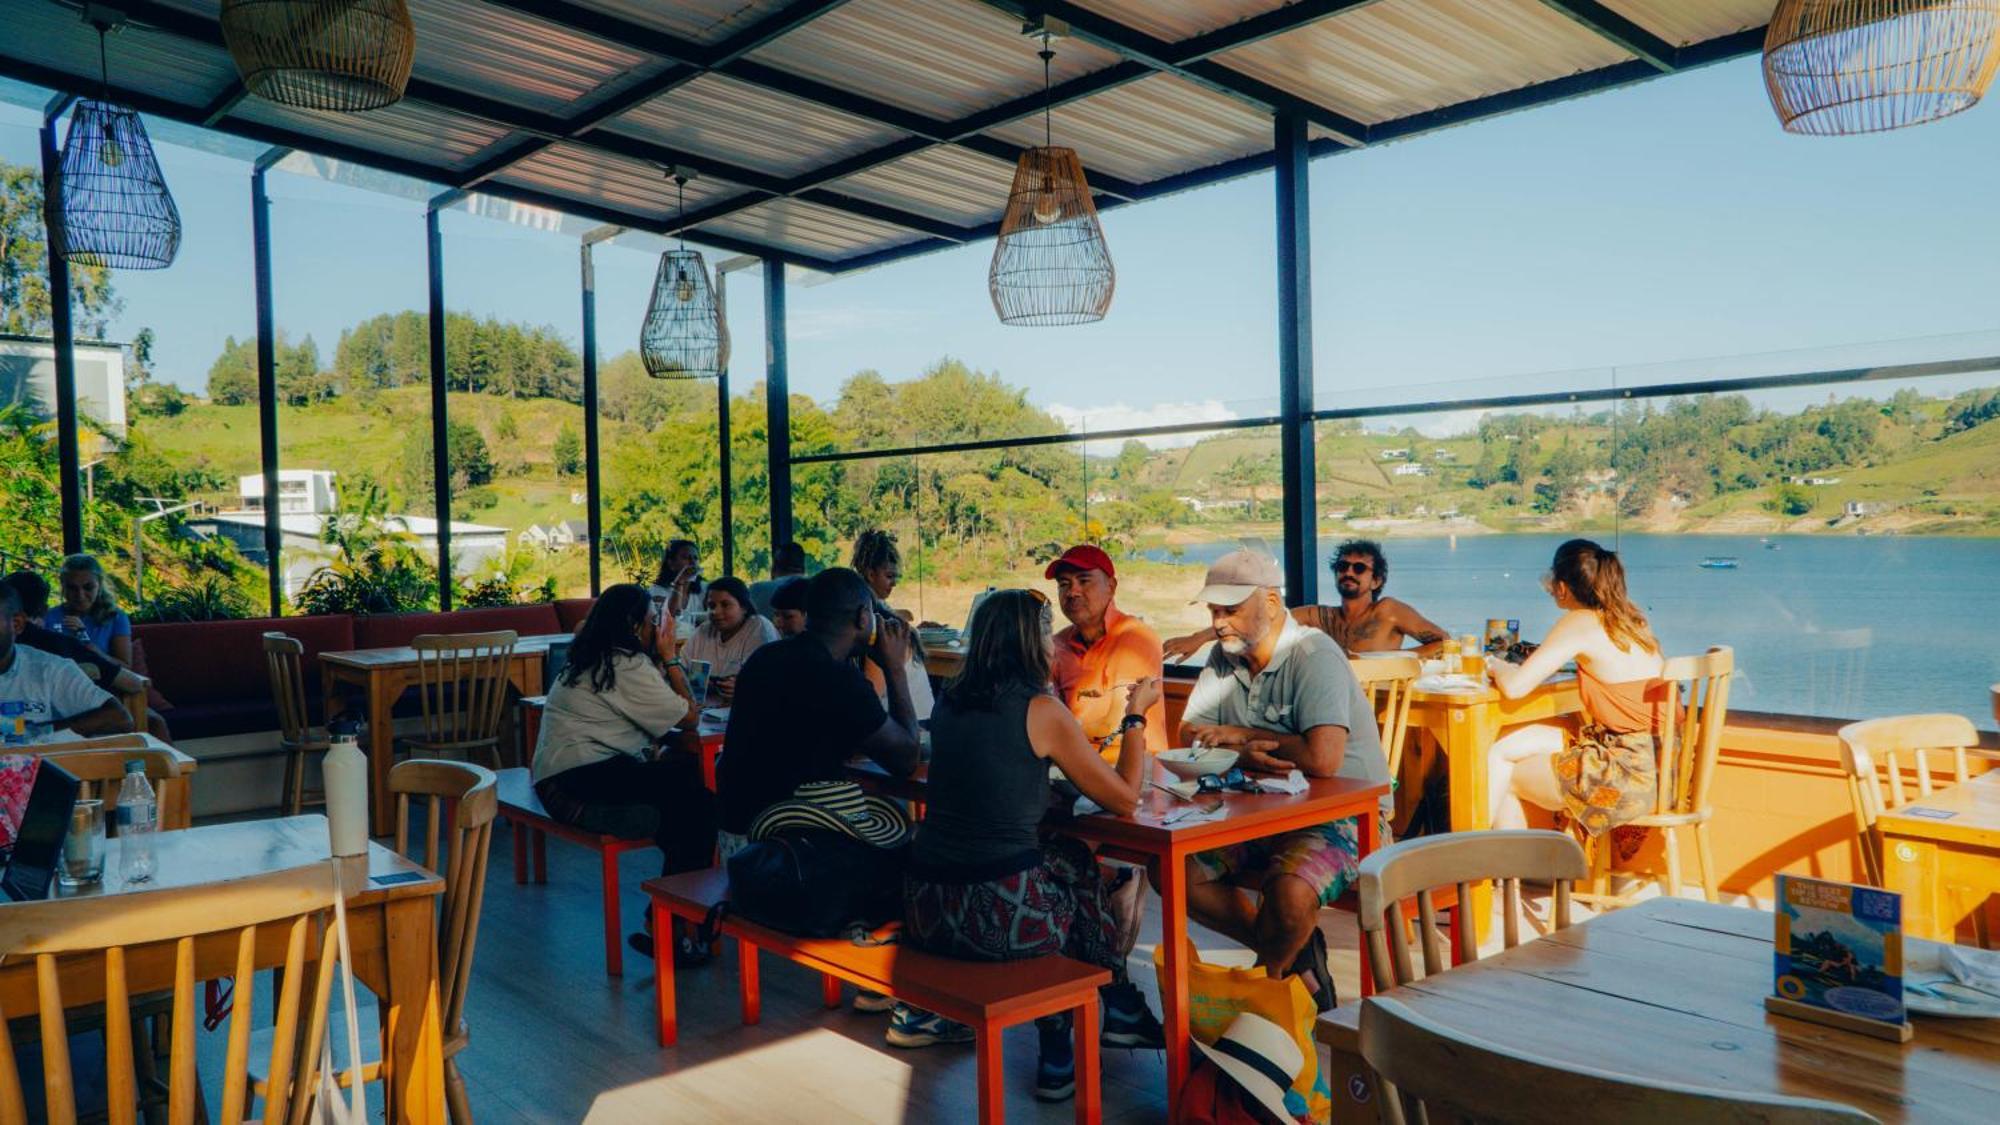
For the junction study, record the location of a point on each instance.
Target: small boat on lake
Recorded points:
(1718, 562)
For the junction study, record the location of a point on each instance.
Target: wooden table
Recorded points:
(1947, 867)
(1465, 724)
(391, 931)
(1251, 816)
(1674, 989)
(382, 675)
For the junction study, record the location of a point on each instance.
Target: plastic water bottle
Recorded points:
(138, 819)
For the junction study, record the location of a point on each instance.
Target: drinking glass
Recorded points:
(83, 847)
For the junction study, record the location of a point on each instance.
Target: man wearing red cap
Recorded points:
(1103, 651)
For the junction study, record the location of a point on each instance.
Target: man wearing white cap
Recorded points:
(1283, 695)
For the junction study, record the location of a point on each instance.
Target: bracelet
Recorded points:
(1130, 721)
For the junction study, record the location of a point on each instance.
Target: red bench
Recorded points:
(987, 996)
(521, 808)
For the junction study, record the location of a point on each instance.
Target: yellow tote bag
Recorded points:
(1216, 993)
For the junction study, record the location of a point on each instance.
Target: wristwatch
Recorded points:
(1130, 721)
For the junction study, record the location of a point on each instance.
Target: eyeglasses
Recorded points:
(1231, 778)
(1345, 567)
(1037, 595)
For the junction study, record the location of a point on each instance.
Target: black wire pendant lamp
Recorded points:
(115, 209)
(684, 336)
(1051, 265)
(341, 55)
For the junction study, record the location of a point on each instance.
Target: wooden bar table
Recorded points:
(1942, 854)
(391, 929)
(1674, 990)
(1167, 846)
(381, 676)
(1465, 725)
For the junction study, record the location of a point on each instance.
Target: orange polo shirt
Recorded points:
(1088, 677)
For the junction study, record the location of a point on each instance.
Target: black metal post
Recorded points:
(267, 377)
(1295, 360)
(727, 475)
(440, 451)
(595, 517)
(67, 461)
(777, 403)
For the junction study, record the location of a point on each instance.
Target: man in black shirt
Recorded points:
(802, 708)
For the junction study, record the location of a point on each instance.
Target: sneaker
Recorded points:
(1311, 964)
(1055, 1071)
(866, 1001)
(690, 951)
(913, 1027)
(1128, 1022)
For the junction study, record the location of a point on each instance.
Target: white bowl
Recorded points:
(1188, 764)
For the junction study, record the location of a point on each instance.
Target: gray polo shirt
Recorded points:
(1307, 684)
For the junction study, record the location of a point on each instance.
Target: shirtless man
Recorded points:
(1364, 621)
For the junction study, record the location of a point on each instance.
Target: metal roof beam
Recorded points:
(1160, 55)
(221, 104)
(1610, 26)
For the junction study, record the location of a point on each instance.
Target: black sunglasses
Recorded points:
(1231, 778)
(1345, 567)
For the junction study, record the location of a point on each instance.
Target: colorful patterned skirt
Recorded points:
(1054, 906)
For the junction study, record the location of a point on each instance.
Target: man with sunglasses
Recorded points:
(1102, 652)
(1283, 695)
(1364, 621)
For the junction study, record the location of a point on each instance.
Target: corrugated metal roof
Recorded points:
(139, 58)
(758, 128)
(1180, 19)
(489, 50)
(1151, 128)
(946, 183)
(1682, 22)
(407, 129)
(809, 229)
(705, 21)
(591, 174)
(1401, 57)
(945, 58)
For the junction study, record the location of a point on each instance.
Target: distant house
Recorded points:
(535, 536)
(1395, 454)
(1861, 509)
(1815, 481)
(557, 536)
(1413, 469)
(1200, 504)
(1443, 455)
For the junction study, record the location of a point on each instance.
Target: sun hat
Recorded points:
(1237, 575)
(1083, 556)
(1261, 1057)
(835, 806)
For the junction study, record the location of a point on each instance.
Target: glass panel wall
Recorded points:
(31, 516)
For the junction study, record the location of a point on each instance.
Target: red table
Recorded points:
(1250, 816)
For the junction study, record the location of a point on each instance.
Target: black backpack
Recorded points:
(817, 884)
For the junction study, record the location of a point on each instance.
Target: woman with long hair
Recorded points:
(983, 883)
(879, 562)
(89, 611)
(678, 581)
(733, 631)
(598, 761)
(1606, 775)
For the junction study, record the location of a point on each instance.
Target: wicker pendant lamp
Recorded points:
(114, 208)
(1837, 67)
(684, 336)
(1050, 264)
(343, 55)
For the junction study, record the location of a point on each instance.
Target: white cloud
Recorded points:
(1120, 416)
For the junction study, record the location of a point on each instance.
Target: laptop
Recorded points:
(31, 867)
(553, 663)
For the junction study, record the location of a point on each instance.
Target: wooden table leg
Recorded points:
(663, 980)
(1468, 741)
(1174, 969)
(751, 992)
(614, 944)
(381, 752)
(413, 1065)
(992, 1077)
(1089, 1084)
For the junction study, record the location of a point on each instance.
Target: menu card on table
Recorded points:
(1839, 956)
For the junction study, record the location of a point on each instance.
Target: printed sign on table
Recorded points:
(1840, 947)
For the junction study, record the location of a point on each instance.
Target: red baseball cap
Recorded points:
(1083, 556)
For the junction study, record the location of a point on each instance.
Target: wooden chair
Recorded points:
(101, 769)
(460, 805)
(1454, 861)
(1387, 678)
(84, 945)
(1897, 746)
(284, 657)
(462, 690)
(134, 701)
(1424, 1063)
(1697, 706)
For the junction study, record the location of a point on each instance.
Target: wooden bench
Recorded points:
(520, 807)
(987, 996)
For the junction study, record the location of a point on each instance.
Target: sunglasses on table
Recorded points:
(1232, 778)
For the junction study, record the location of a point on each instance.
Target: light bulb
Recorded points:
(683, 287)
(1048, 206)
(112, 154)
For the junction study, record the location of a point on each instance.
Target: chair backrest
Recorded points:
(1463, 1077)
(462, 800)
(1699, 707)
(101, 769)
(134, 701)
(97, 938)
(1420, 866)
(462, 685)
(1873, 747)
(284, 656)
(1387, 677)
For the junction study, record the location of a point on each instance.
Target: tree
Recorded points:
(232, 378)
(471, 464)
(25, 308)
(568, 451)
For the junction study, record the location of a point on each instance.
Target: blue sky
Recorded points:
(1625, 236)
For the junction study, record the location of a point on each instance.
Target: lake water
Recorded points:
(1851, 627)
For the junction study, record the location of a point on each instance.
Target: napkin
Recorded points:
(1293, 782)
(1185, 790)
(1086, 807)
(1928, 962)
